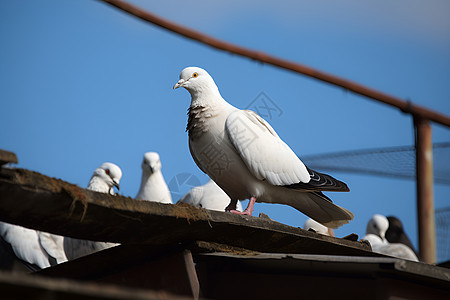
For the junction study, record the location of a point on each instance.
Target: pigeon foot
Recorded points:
(249, 210)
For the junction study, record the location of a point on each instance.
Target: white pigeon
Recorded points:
(153, 186)
(317, 227)
(103, 180)
(378, 225)
(209, 196)
(244, 155)
(375, 235)
(25, 244)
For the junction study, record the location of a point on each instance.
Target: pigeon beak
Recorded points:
(179, 83)
(116, 185)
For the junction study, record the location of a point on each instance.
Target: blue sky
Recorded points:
(82, 83)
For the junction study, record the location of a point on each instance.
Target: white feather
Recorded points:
(262, 150)
(316, 226)
(53, 244)
(25, 244)
(209, 196)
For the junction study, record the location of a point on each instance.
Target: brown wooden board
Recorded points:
(164, 268)
(24, 286)
(7, 157)
(292, 276)
(36, 201)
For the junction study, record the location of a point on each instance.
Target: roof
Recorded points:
(172, 251)
(66, 209)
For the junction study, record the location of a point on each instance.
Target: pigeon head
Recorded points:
(378, 225)
(151, 162)
(109, 173)
(196, 81)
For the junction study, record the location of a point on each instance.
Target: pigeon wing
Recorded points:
(263, 152)
(271, 159)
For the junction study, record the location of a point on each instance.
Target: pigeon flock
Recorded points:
(255, 164)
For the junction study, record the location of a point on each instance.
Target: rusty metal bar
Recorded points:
(424, 182)
(357, 88)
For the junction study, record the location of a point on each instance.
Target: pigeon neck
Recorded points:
(148, 179)
(97, 184)
(206, 96)
(151, 186)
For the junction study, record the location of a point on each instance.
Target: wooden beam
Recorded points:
(165, 268)
(291, 276)
(36, 201)
(24, 286)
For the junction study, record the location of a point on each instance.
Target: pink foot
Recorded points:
(245, 212)
(248, 211)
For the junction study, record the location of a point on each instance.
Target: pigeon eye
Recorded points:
(107, 171)
(195, 75)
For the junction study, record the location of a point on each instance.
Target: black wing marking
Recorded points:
(320, 182)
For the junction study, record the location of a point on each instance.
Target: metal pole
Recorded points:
(425, 197)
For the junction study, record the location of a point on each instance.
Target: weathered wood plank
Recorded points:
(7, 157)
(23, 286)
(292, 276)
(36, 201)
(159, 268)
